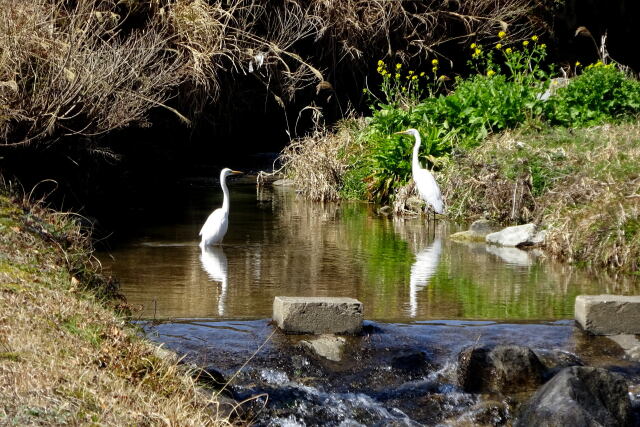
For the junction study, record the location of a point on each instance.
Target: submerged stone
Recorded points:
(476, 233)
(608, 314)
(318, 315)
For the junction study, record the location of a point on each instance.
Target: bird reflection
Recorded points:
(214, 262)
(422, 270)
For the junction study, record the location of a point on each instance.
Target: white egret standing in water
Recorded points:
(425, 182)
(215, 227)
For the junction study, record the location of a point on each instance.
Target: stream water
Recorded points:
(425, 297)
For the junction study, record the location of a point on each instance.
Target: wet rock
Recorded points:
(327, 346)
(211, 377)
(608, 314)
(485, 413)
(630, 344)
(502, 369)
(557, 360)
(519, 235)
(318, 315)
(579, 396)
(411, 360)
(476, 233)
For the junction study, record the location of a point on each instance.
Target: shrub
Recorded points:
(601, 93)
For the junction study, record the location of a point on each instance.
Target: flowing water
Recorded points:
(423, 295)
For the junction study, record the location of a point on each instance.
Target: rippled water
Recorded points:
(280, 244)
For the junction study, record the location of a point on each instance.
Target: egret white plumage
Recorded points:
(215, 228)
(425, 182)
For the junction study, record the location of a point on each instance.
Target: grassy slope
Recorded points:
(65, 356)
(583, 184)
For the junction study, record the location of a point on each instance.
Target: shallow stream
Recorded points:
(425, 297)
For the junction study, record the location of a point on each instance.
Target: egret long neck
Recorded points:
(416, 149)
(225, 191)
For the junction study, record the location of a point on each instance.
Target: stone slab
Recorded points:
(318, 315)
(608, 314)
(514, 236)
(327, 345)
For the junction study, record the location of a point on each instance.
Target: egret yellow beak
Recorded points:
(237, 172)
(404, 132)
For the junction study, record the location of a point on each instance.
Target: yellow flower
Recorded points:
(397, 75)
(410, 72)
(398, 66)
(502, 34)
(434, 62)
(508, 50)
(490, 73)
(364, 90)
(525, 43)
(380, 62)
(478, 52)
(473, 46)
(414, 77)
(434, 69)
(404, 88)
(534, 38)
(499, 46)
(443, 78)
(578, 63)
(543, 46)
(422, 74)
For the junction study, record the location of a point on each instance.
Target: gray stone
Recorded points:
(476, 233)
(630, 344)
(318, 315)
(328, 346)
(518, 235)
(502, 369)
(608, 314)
(579, 396)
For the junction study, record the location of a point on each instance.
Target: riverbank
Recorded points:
(582, 185)
(67, 355)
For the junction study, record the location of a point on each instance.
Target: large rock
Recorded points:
(476, 233)
(318, 315)
(518, 235)
(502, 369)
(579, 396)
(630, 344)
(608, 314)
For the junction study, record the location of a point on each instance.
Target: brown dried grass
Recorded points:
(66, 358)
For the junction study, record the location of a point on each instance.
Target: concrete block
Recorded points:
(318, 315)
(608, 314)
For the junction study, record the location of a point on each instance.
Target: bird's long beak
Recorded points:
(404, 132)
(237, 172)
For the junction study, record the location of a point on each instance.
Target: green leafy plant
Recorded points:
(602, 92)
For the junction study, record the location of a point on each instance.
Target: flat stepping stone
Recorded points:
(608, 314)
(318, 315)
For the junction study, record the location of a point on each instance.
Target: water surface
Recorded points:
(280, 244)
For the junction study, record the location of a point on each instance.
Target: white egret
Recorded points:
(425, 182)
(215, 227)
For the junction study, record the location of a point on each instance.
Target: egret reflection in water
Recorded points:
(214, 262)
(422, 270)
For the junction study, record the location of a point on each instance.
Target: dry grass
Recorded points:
(317, 163)
(583, 185)
(65, 357)
(87, 68)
